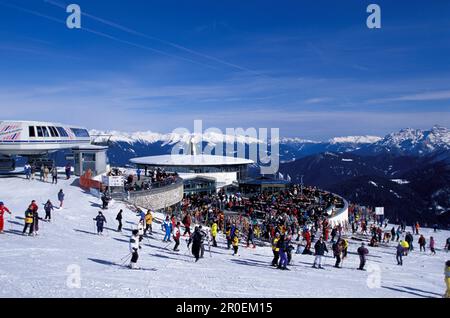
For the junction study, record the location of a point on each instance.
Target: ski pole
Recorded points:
(126, 260)
(126, 256)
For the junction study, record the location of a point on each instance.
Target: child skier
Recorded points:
(235, 242)
(100, 221)
(48, 208)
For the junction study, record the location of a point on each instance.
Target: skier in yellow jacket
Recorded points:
(447, 279)
(148, 222)
(235, 242)
(275, 249)
(214, 233)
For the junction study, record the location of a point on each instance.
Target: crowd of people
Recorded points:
(292, 221)
(31, 216)
(45, 172)
(149, 179)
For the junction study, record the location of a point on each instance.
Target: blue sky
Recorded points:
(311, 68)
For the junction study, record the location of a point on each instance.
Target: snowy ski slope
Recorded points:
(41, 266)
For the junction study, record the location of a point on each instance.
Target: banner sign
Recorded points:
(113, 181)
(379, 211)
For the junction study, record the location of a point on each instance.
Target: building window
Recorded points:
(31, 131)
(53, 131)
(44, 129)
(62, 132)
(82, 133)
(39, 131)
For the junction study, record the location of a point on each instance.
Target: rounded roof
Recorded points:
(190, 160)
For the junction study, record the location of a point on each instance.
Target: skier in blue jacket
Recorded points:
(168, 228)
(100, 221)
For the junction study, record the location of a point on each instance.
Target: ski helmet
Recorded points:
(1, 203)
(135, 232)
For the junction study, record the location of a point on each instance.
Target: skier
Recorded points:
(417, 227)
(433, 251)
(100, 221)
(422, 242)
(148, 222)
(105, 201)
(54, 173)
(283, 253)
(344, 249)
(409, 239)
(307, 237)
(41, 173)
(214, 233)
(393, 233)
(138, 173)
(61, 196)
(27, 170)
(228, 236)
(176, 236)
(46, 172)
(289, 249)
(134, 248)
(187, 224)
(36, 219)
(337, 252)
(141, 230)
(447, 245)
(320, 248)
(447, 279)
(203, 235)
(33, 171)
(362, 252)
(235, 242)
(398, 233)
(275, 249)
(48, 208)
(250, 236)
(28, 221)
(119, 219)
(3, 210)
(400, 251)
(167, 228)
(195, 239)
(68, 171)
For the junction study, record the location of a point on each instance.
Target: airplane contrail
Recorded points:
(149, 37)
(39, 14)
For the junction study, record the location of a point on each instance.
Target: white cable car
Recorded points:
(33, 138)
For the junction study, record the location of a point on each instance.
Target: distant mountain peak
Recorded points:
(414, 141)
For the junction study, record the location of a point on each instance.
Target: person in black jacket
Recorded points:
(409, 238)
(119, 219)
(362, 252)
(196, 240)
(320, 248)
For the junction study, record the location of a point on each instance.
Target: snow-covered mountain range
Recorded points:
(408, 141)
(413, 142)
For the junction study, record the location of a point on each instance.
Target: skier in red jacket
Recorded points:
(3, 210)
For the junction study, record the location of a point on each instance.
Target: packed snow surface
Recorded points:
(41, 266)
